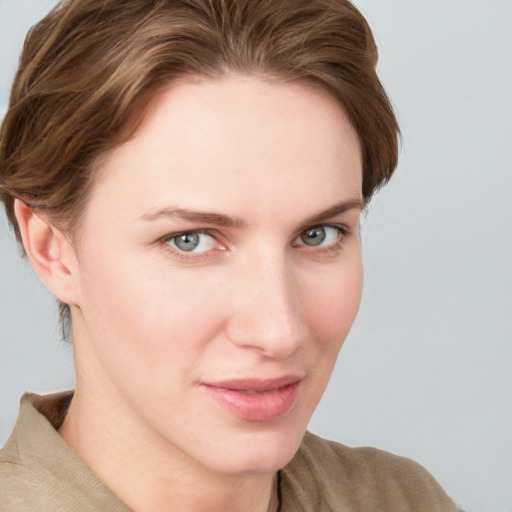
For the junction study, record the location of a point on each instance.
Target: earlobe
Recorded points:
(50, 252)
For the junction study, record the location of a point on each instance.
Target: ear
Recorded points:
(51, 253)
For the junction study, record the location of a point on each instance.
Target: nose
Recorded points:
(266, 315)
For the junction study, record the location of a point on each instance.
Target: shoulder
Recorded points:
(40, 472)
(331, 476)
(13, 477)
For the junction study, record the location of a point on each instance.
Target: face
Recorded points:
(220, 269)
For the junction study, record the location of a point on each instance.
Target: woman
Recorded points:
(187, 177)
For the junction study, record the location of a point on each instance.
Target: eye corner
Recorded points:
(205, 246)
(330, 244)
(319, 233)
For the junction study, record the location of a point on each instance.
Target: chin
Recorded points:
(260, 450)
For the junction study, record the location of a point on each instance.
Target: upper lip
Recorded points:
(255, 384)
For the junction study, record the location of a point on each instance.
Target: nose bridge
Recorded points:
(267, 315)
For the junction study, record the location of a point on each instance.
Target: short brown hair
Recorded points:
(90, 65)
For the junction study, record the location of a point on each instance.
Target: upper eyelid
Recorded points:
(185, 231)
(214, 233)
(342, 228)
(343, 231)
(217, 241)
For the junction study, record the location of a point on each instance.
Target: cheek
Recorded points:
(332, 300)
(330, 304)
(151, 312)
(156, 310)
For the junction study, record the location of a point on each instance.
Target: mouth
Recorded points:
(252, 392)
(256, 400)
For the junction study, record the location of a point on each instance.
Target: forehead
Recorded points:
(234, 142)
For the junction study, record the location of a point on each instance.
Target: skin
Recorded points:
(152, 324)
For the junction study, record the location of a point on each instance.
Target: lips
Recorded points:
(256, 399)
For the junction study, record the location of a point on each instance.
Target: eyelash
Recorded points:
(194, 257)
(329, 250)
(183, 255)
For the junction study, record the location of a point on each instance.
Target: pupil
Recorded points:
(314, 236)
(187, 241)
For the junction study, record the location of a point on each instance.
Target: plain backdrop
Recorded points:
(427, 369)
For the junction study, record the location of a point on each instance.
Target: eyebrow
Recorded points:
(337, 209)
(195, 216)
(219, 219)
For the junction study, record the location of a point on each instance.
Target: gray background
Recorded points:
(426, 372)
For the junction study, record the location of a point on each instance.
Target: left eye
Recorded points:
(318, 235)
(191, 241)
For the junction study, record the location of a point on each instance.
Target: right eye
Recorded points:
(191, 241)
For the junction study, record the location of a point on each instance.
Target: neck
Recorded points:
(150, 473)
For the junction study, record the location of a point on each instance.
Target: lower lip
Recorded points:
(256, 407)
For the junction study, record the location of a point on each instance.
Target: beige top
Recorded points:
(40, 472)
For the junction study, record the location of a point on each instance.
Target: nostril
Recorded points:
(266, 314)
(277, 332)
